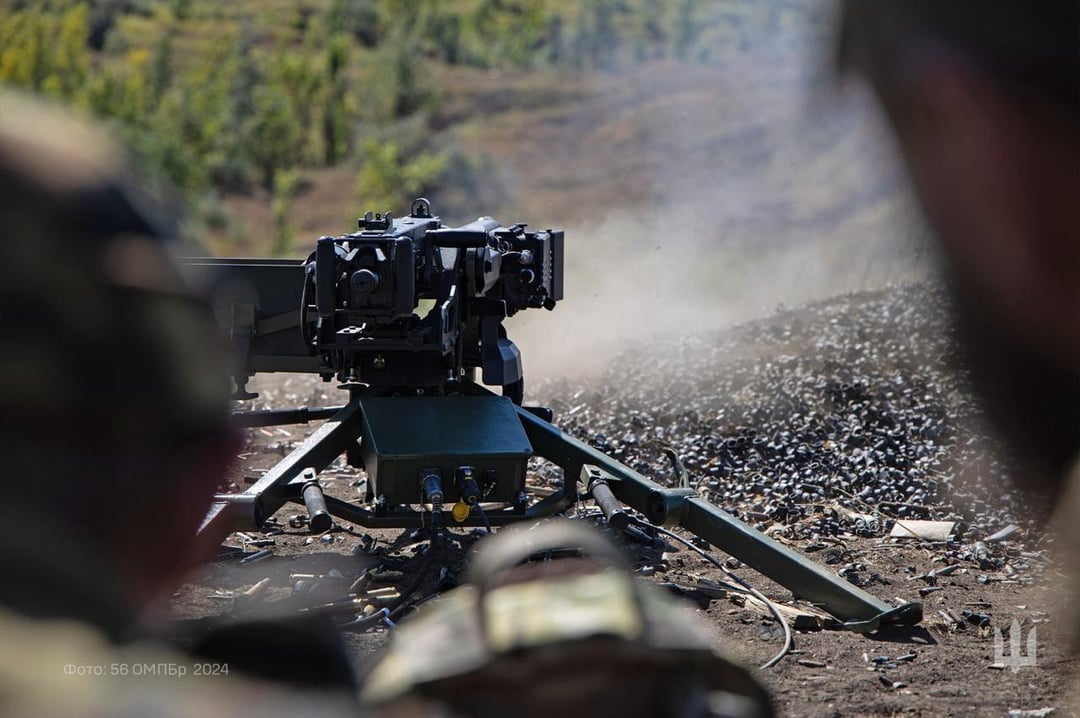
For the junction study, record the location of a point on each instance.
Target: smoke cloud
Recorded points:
(763, 186)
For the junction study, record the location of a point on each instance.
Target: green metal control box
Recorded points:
(403, 436)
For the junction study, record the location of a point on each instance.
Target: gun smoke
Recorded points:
(761, 186)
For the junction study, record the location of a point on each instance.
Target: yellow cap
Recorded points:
(460, 512)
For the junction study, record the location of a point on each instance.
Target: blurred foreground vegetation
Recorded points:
(239, 98)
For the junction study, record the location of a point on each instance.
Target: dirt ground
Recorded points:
(950, 674)
(944, 667)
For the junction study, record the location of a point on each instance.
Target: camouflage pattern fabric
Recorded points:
(588, 640)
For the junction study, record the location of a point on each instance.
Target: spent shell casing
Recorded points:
(382, 601)
(257, 556)
(252, 594)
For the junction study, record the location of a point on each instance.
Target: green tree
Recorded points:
(285, 183)
(121, 90)
(387, 182)
(71, 55)
(443, 32)
(358, 18)
(652, 37)
(46, 51)
(686, 29)
(605, 40)
(162, 65)
(165, 144)
(337, 102)
(401, 83)
(272, 137)
(556, 42)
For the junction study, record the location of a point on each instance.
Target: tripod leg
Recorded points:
(855, 608)
(284, 482)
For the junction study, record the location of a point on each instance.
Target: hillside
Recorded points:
(699, 155)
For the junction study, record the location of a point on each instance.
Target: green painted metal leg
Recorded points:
(247, 510)
(856, 609)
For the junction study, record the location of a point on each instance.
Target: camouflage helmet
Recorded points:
(565, 637)
(101, 336)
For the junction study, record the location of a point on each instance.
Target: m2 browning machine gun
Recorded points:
(402, 313)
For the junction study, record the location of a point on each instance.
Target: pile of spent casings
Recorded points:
(835, 418)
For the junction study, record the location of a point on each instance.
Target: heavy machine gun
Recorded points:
(403, 312)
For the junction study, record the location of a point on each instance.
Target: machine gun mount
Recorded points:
(403, 312)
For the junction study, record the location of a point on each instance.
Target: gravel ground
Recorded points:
(820, 426)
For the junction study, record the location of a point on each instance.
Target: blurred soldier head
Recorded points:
(984, 97)
(113, 395)
(571, 637)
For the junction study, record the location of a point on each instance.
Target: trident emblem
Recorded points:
(1015, 660)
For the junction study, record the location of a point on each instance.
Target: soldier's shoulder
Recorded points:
(522, 638)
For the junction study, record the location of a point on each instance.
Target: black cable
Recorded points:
(676, 465)
(396, 608)
(434, 546)
(483, 515)
(365, 623)
(789, 641)
(413, 605)
(309, 341)
(402, 605)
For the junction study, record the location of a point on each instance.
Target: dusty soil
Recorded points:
(942, 667)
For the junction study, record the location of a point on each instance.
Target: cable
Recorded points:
(400, 610)
(676, 465)
(309, 341)
(396, 608)
(597, 513)
(382, 616)
(434, 545)
(413, 605)
(789, 641)
(483, 515)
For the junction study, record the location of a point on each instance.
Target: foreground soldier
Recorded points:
(984, 96)
(112, 407)
(572, 637)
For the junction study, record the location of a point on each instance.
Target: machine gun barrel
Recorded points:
(470, 236)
